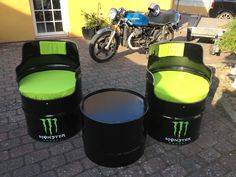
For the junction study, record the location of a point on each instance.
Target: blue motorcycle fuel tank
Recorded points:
(137, 19)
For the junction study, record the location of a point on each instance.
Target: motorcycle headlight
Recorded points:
(112, 14)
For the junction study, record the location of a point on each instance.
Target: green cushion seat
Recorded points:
(48, 85)
(180, 87)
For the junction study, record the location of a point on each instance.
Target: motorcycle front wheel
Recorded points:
(97, 49)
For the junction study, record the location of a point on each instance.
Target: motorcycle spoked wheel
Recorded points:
(97, 47)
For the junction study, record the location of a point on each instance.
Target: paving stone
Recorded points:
(27, 139)
(228, 162)
(48, 174)
(21, 150)
(209, 154)
(153, 150)
(40, 145)
(206, 140)
(19, 111)
(214, 170)
(6, 175)
(87, 164)
(36, 156)
(53, 162)
(27, 171)
(17, 132)
(3, 136)
(158, 174)
(142, 159)
(8, 127)
(90, 173)
(173, 171)
(153, 165)
(232, 139)
(172, 157)
(231, 174)
(190, 149)
(10, 143)
(3, 121)
(17, 118)
(8, 114)
(193, 163)
(61, 148)
(78, 142)
(4, 155)
(75, 154)
(168, 147)
(22, 124)
(198, 173)
(224, 147)
(9, 165)
(132, 171)
(70, 169)
(107, 171)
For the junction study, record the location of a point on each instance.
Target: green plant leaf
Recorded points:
(227, 42)
(94, 21)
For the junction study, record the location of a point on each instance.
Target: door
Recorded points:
(50, 17)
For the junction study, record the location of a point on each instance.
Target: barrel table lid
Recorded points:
(180, 87)
(48, 85)
(113, 106)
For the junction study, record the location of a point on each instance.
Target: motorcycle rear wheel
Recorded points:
(97, 46)
(168, 36)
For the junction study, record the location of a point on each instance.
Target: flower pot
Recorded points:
(88, 33)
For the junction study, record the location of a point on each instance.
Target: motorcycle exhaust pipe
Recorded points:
(129, 42)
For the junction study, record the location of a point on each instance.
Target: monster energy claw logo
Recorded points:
(49, 124)
(180, 127)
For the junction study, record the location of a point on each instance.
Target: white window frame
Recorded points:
(65, 21)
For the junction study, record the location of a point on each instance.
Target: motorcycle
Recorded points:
(133, 30)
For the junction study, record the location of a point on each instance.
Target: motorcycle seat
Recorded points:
(163, 18)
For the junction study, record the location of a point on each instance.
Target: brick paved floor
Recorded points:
(213, 154)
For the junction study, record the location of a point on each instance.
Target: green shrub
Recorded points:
(93, 21)
(227, 41)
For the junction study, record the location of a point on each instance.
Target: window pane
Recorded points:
(57, 15)
(41, 28)
(56, 4)
(39, 16)
(59, 26)
(48, 15)
(37, 4)
(50, 27)
(47, 4)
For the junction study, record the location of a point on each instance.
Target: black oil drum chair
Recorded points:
(177, 86)
(50, 86)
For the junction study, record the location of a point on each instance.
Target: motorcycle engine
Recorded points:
(140, 38)
(137, 32)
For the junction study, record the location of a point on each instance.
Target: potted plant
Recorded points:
(93, 23)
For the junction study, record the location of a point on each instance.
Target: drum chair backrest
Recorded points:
(48, 55)
(178, 56)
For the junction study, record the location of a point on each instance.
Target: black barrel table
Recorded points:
(113, 126)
